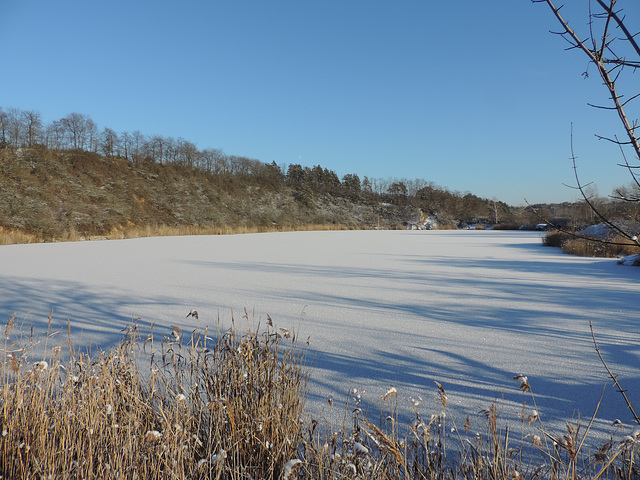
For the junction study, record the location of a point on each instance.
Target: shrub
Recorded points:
(506, 226)
(555, 238)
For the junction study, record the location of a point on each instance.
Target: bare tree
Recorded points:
(213, 160)
(126, 141)
(4, 125)
(33, 126)
(613, 48)
(495, 208)
(110, 142)
(138, 142)
(55, 135)
(81, 131)
(15, 127)
(159, 147)
(186, 152)
(93, 136)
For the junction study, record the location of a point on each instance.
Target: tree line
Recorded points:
(77, 131)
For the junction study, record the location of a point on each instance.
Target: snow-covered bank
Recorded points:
(469, 309)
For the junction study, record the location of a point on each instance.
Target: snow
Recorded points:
(630, 260)
(381, 309)
(600, 231)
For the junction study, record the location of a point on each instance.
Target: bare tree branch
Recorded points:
(597, 57)
(605, 220)
(613, 377)
(602, 50)
(614, 15)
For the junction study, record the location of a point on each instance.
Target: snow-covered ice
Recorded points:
(381, 309)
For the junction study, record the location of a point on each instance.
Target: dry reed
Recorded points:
(585, 247)
(14, 236)
(219, 405)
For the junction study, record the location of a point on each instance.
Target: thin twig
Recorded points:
(613, 377)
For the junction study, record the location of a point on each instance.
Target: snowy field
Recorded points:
(469, 309)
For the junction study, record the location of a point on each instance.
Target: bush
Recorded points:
(555, 238)
(506, 226)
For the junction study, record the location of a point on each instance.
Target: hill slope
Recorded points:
(51, 193)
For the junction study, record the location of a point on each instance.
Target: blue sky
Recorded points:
(473, 96)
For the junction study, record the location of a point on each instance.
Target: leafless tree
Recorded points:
(159, 147)
(187, 153)
(93, 136)
(110, 142)
(138, 141)
(81, 131)
(15, 127)
(55, 135)
(211, 160)
(32, 123)
(615, 52)
(612, 47)
(4, 126)
(125, 142)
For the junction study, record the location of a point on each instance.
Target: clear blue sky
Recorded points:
(473, 95)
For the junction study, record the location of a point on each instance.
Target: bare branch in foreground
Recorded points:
(613, 377)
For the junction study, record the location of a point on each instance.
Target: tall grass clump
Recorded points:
(224, 405)
(221, 406)
(12, 236)
(593, 248)
(577, 245)
(485, 446)
(119, 232)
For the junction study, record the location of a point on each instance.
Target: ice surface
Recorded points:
(469, 309)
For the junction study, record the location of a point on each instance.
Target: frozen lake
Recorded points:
(469, 309)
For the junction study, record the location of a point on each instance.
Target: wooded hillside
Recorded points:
(69, 180)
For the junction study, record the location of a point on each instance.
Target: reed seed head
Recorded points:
(524, 382)
(290, 466)
(153, 436)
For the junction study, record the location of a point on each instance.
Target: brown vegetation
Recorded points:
(211, 402)
(219, 405)
(68, 180)
(575, 243)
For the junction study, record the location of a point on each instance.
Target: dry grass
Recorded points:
(221, 406)
(436, 447)
(590, 248)
(443, 226)
(133, 231)
(214, 405)
(13, 236)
